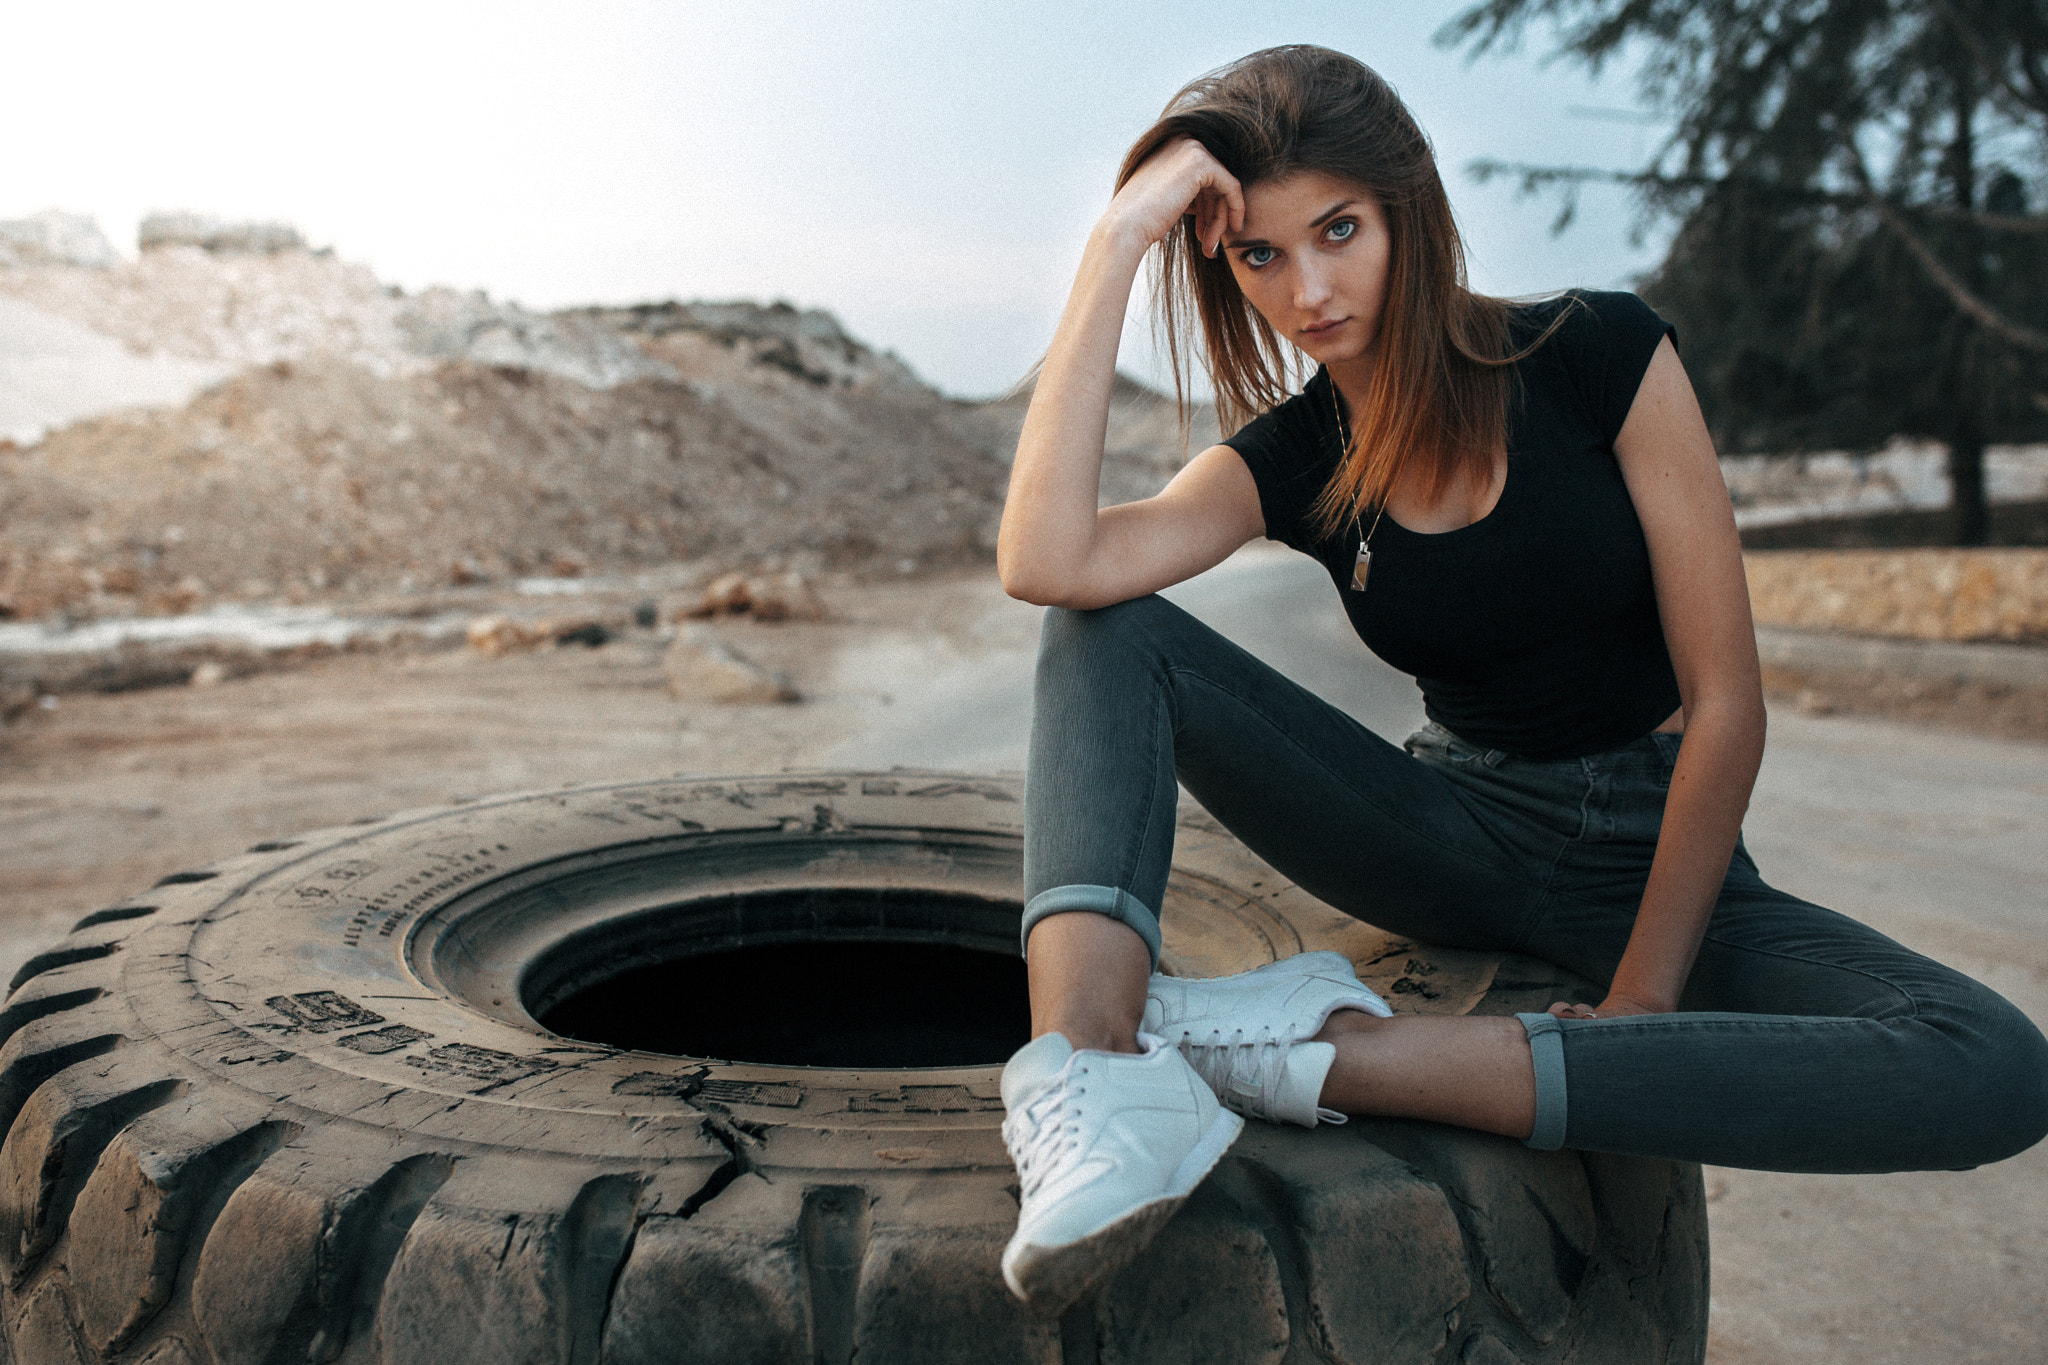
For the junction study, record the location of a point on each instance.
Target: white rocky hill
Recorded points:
(232, 415)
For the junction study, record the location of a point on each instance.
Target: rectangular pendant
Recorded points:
(1361, 568)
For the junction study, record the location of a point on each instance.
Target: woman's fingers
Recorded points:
(1207, 230)
(1216, 210)
(1613, 1007)
(1233, 198)
(1223, 198)
(1180, 179)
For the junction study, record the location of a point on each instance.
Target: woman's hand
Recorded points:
(1178, 179)
(1613, 1007)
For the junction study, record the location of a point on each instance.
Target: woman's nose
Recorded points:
(1311, 289)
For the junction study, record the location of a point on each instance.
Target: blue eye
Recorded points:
(1258, 256)
(1342, 230)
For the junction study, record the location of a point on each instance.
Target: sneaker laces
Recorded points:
(1244, 1071)
(1043, 1133)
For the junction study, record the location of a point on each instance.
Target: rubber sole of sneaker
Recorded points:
(1050, 1280)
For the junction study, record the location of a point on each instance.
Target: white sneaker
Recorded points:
(1107, 1146)
(1244, 1034)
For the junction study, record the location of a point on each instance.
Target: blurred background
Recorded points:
(405, 402)
(926, 172)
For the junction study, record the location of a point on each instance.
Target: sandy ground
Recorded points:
(1932, 836)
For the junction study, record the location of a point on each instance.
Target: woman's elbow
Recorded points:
(1735, 712)
(1044, 592)
(1048, 585)
(1030, 582)
(1028, 590)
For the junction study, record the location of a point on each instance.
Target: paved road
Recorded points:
(1933, 837)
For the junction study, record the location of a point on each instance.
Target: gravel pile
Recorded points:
(368, 440)
(184, 301)
(309, 476)
(1144, 446)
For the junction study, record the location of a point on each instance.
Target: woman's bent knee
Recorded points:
(1065, 626)
(2020, 1072)
(1111, 641)
(2000, 1107)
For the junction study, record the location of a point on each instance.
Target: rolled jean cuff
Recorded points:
(1119, 905)
(1546, 1050)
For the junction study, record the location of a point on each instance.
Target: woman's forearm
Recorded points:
(1049, 519)
(1710, 787)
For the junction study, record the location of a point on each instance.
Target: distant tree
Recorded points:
(1858, 254)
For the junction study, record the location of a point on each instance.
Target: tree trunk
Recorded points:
(1969, 523)
(1969, 517)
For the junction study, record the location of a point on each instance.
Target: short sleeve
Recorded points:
(1292, 452)
(1608, 343)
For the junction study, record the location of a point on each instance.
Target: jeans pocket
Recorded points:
(1667, 754)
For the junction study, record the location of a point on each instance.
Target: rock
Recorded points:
(496, 635)
(725, 595)
(702, 667)
(784, 597)
(587, 631)
(177, 599)
(53, 237)
(809, 345)
(1990, 594)
(217, 237)
(444, 324)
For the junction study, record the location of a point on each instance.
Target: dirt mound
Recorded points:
(372, 440)
(322, 474)
(244, 309)
(1143, 447)
(255, 307)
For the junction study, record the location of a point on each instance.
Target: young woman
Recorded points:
(1519, 504)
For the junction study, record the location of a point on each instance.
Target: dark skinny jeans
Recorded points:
(1804, 1041)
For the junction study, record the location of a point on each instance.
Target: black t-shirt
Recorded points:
(1534, 630)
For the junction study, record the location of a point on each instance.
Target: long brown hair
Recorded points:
(1439, 396)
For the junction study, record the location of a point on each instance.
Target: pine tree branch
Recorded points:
(1972, 40)
(1965, 299)
(1535, 178)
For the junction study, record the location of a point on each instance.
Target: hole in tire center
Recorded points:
(848, 994)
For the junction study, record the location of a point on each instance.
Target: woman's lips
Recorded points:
(1323, 329)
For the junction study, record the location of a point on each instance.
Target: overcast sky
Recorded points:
(925, 170)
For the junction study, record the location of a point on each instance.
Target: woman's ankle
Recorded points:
(1093, 1035)
(1088, 976)
(1471, 1071)
(1346, 1021)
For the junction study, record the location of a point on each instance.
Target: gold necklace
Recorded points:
(1363, 565)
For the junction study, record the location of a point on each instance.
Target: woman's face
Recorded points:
(1312, 258)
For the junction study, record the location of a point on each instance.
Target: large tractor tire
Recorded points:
(706, 1071)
